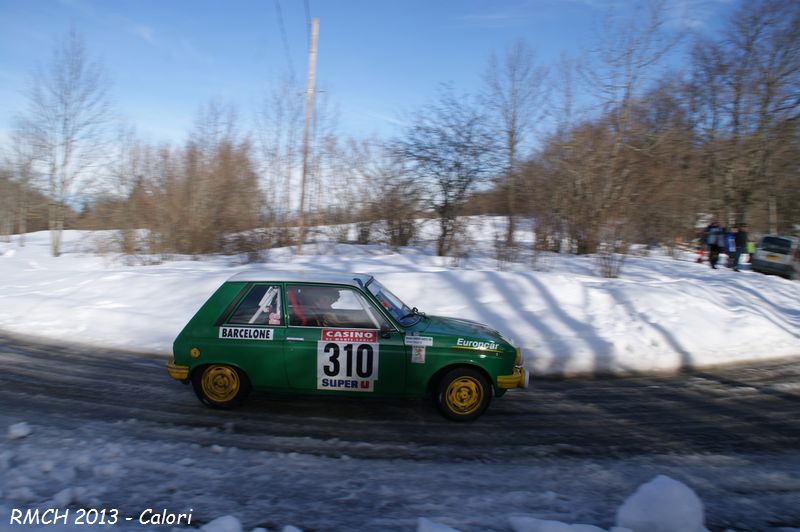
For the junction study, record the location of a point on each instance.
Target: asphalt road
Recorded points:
(732, 410)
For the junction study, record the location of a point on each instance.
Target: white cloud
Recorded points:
(145, 32)
(693, 14)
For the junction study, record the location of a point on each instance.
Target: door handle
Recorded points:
(293, 339)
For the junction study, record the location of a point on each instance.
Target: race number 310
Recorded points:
(351, 366)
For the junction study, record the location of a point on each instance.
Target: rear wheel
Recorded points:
(220, 386)
(463, 394)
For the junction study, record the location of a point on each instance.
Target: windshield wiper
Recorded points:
(414, 312)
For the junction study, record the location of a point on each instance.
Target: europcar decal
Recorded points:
(347, 359)
(245, 333)
(463, 343)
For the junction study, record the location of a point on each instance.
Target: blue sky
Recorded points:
(377, 59)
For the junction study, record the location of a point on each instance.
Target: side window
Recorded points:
(329, 306)
(261, 306)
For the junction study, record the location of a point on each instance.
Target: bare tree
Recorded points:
(450, 149)
(515, 94)
(8, 198)
(386, 196)
(20, 162)
(546, 186)
(279, 136)
(218, 183)
(625, 63)
(704, 93)
(66, 119)
(324, 153)
(279, 127)
(746, 102)
(127, 173)
(279, 123)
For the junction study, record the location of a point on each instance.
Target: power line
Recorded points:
(308, 20)
(285, 38)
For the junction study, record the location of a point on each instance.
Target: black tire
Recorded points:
(220, 386)
(463, 394)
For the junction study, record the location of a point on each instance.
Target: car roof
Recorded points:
(784, 237)
(255, 276)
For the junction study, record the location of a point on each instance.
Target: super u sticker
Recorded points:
(347, 360)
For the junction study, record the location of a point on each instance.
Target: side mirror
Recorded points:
(386, 331)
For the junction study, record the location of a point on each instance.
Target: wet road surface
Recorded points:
(732, 410)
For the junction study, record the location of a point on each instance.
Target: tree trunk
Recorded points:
(56, 224)
(773, 214)
(22, 223)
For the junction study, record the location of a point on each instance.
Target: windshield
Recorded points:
(399, 310)
(774, 244)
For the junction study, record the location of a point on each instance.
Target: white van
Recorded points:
(779, 255)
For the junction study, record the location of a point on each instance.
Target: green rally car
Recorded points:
(338, 334)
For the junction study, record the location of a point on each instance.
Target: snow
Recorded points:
(19, 430)
(531, 524)
(653, 508)
(90, 468)
(226, 523)
(662, 314)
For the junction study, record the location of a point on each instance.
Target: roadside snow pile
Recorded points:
(426, 525)
(18, 431)
(530, 524)
(226, 523)
(661, 505)
(662, 314)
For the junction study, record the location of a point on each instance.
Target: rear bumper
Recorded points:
(766, 266)
(178, 372)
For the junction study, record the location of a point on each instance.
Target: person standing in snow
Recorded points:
(700, 244)
(714, 240)
(730, 245)
(751, 248)
(741, 245)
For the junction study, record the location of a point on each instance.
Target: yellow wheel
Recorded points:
(220, 386)
(464, 394)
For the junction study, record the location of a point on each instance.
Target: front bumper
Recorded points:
(178, 372)
(518, 379)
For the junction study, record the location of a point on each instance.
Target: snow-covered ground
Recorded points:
(234, 485)
(660, 315)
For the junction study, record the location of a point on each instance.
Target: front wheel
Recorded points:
(220, 386)
(463, 394)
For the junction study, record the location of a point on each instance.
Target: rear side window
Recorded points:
(261, 306)
(775, 244)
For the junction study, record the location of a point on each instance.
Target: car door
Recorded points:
(251, 334)
(334, 343)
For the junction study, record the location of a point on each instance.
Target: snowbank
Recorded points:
(662, 314)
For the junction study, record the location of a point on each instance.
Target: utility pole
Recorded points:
(312, 64)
